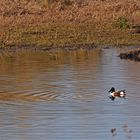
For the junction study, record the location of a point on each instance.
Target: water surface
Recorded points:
(63, 95)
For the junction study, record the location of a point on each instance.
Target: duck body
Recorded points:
(113, 93)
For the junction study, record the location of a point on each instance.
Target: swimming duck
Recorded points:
(113, 93)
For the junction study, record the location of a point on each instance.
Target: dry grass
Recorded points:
(32, 12)
(47, 36)
(19, 16)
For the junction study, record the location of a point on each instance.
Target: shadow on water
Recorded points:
(63, 95)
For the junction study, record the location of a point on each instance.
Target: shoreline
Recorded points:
(133, 54)
(74, 47)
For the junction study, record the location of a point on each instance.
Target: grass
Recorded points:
(44, 23)
(46, 35)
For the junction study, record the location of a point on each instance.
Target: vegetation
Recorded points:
(51, 23)
(123, 23)
(61, 35)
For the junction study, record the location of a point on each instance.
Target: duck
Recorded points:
(113, 93)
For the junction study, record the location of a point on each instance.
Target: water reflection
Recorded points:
(63, 95)
(46, 74)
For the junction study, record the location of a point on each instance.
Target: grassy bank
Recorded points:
(61, 35)
(45, 24)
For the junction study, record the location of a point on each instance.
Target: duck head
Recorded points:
(112, 90)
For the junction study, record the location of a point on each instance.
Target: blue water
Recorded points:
(63, 95)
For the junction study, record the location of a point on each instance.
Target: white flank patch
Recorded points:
(121, 93)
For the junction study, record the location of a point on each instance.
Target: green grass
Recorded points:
(60, 35)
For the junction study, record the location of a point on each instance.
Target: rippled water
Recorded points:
(64, 96)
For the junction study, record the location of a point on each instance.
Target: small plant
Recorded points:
(123, 23)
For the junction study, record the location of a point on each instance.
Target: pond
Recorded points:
(63, 95)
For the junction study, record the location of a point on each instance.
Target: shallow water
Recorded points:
(64, 96)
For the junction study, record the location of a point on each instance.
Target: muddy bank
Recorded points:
(68, 47)
(134, 54)
(72, 47)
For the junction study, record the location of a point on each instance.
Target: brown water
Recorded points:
(64, 96)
